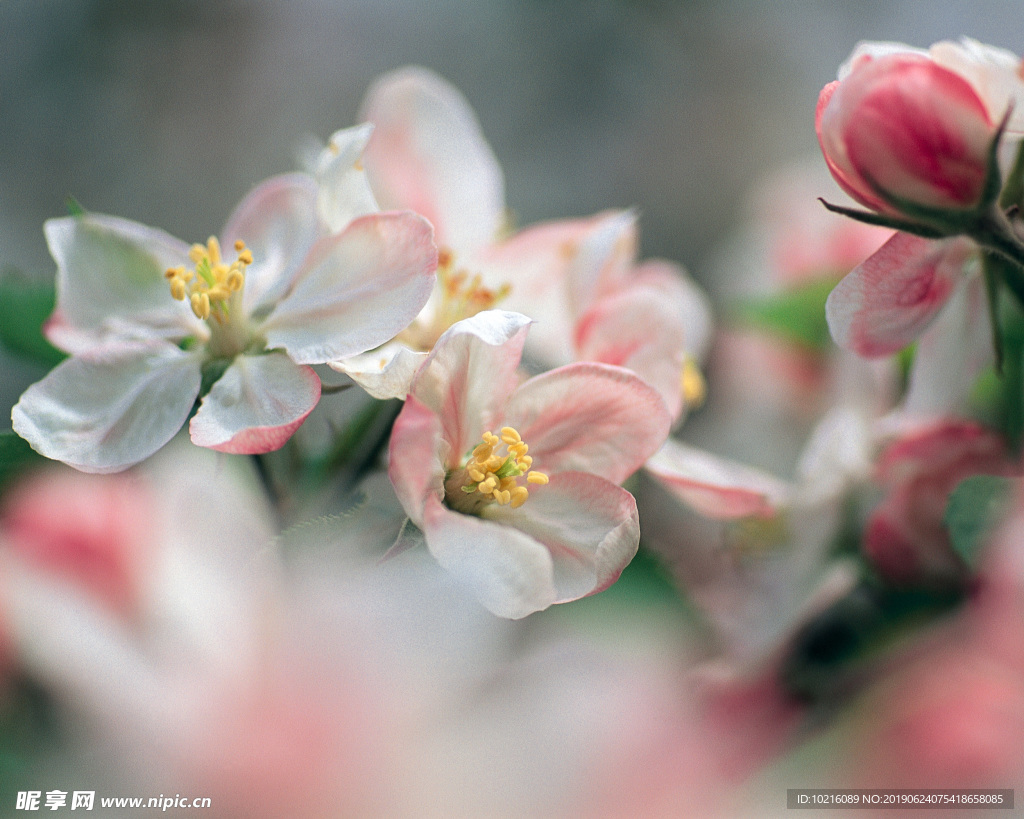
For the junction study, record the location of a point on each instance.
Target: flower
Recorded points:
(901, 126)
(522, 539)
(906, 536)
(577, 277)
(152, 324)
(910, 134)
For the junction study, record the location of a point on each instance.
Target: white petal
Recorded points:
(510, 572)
(344, 191)
(428, 154)
(384, 373)
(715, 487)
(278, 222)
(357, 290)
(471, 372)
(256, 405)
(589, 525)
(106, 412)
(111, 271)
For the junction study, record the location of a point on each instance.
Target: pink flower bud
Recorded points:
(903, 125)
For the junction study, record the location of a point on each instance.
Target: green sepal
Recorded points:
(992, 267)
(74, 207)
(975, 506)
(895, 223)
(24, 308)
(797, 314)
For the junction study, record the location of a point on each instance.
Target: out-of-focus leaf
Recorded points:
(974, 507)
(797, 314)
(15, 455)
(24, 307)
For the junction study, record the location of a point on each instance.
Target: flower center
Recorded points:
(490, 474)
(458, 296)
(210, 286)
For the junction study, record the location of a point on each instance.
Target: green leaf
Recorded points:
(24, 307)
(798, 314)
(15, 455)
(974, 507)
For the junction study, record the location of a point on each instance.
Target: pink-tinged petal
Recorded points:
(417, 459)
(715, 487)
(589, 525)
(889, 300)
(256, 405)
(678, 289)
(429, 155)
(384, 373)
(904, 124)
(470, 374)
(106, 412)
(278, 222)
(637, 328)
(509, 571)
(357, 290)
(111, 270)
(994, 74)
(589, 418)
(344, 191)
(556, 270)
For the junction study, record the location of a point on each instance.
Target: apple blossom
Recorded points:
(905, 536)
(153, 325)
(577, 277)
(521, 538)
(902, 127)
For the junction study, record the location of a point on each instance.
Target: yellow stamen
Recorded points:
(210, 285)
(491, 473)
(694, 386)
(459, 295)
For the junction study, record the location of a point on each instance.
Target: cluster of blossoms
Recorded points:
(402, 300)
(862, 520)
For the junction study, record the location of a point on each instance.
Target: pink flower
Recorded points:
(905, 535)
(903, 126)
(153, 325)
(522, 539)
(578, 278)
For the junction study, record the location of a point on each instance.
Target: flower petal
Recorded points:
(110, 271)
(950, 356)
(417, 455)
(104, 413)
(713, 486)
(386, 372)
(429, 155)
(344, 191)
(278, 222)
(637, 328)
(556, 270)
(589, 417)
(679, 289)
(888, 301)
(357, 289)
(470, 374)
(589, 525)
(509, 571)
(256, 405)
